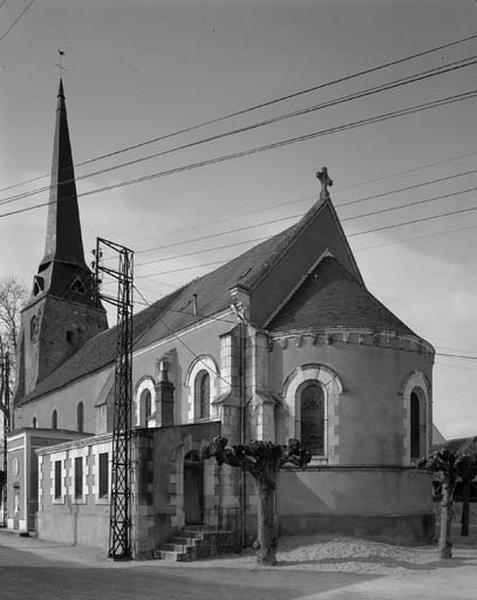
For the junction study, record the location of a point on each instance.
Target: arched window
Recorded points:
(415, 425)
(145, 401)
(34, 422)
(312, 417)
(80, 417)
(202, 395)
(54, 420)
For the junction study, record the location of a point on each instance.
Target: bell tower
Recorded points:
(63, 311)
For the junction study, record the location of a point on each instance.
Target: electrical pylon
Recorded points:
(120, 496)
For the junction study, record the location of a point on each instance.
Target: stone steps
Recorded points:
(194, 542)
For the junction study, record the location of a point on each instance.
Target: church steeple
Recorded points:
(63, 235)
(63, 311)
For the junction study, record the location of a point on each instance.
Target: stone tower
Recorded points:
(62, 312)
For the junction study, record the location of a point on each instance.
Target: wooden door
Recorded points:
(193, 489)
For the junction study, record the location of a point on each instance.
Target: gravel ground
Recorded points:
(335, 553)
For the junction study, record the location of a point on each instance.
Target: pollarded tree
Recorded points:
(450, 465)
(263, 461)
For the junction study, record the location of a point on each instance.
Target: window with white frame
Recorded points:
(417, 411)
(78, 472)
(101, 471)
(202, 395)
(311, 396)
(58, 477)
(57, 480)
(103, 475)
(202, 382)
(145, 401)
(312, 420)
(78, 467)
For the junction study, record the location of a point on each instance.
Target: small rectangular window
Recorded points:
(58, 479)
(78, 477)
(103, 474)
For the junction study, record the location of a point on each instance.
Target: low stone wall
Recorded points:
(391, 504)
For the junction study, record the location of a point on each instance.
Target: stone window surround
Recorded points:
(54, 458)
(201, 363)
(416, 380)
(78, 453)
(332, 389)
(145, 383)
(96, 450)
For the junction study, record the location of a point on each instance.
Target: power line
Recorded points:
(401, 206)
(312, 197)
(462, 63)
(258, 149)
(181, 341)
(368, 214)
(407, 188)
(376, 229)
(278, 220)
(417, 237)
(4, 35)
(421, 220)
(261, 105)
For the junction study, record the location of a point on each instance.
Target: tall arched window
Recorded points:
(80, 417)
(34, 422)
(312, 417)
(145, 402)
(54, 420)
(415, 426)
(202, 395)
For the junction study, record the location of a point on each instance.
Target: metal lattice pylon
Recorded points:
(120, 496)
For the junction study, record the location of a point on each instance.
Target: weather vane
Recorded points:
(60, 64)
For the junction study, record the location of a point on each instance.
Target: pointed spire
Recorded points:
(63, 235)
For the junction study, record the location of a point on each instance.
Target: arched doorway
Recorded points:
(193, 488)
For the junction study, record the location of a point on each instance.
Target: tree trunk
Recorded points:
(445, 543)
(267, 525)
(465, 506)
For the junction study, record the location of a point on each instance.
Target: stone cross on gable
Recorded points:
(325, 182)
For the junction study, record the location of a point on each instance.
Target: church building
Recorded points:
(283, 341)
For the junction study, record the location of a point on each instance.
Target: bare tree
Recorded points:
(263, 461)
(13, 294)
(450, 465)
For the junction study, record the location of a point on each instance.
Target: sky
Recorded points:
(136, 70)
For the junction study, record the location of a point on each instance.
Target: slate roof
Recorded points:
(171, 313)
(335, 298)
(331, 297)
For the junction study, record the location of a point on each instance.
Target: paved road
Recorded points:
(27, 575)
(38, 570)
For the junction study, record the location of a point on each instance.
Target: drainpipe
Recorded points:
(243, 490)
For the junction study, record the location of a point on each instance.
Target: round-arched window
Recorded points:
(202, 394)
(312, 417)
(54, 420)
(415, 425)
(146, 406)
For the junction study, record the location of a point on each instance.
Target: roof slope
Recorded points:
(467, 445)
(331, 297)
(337, 297)
(171, 313)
